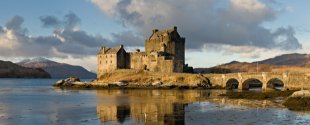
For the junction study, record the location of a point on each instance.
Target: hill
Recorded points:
(57, 70)
(293, 59)
(11, 70)
(284, 63)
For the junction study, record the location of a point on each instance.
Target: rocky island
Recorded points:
(161, 65)
(132, 79)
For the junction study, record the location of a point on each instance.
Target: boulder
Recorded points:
(59, 83)
(67, 82)
(80, 83)
(121, 83)
(299, 100)
(301, 93)
(72, 79)
(204, 84)
(157, 83)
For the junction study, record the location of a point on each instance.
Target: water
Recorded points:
(35, 101)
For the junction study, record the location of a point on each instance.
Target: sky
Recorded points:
(216, 31)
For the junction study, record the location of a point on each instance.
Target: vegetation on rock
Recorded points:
(298, 103)
(148, 78)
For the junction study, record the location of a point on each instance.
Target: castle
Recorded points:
(164, 52)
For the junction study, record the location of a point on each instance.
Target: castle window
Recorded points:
(111, 56)
(100, 62)
(106, 62)
(111, 61)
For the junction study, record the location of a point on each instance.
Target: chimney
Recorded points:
(175, 28)
(103, 49)
(122, 46)
(155, 30)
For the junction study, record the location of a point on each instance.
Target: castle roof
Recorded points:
(113, 50)
(157, 33)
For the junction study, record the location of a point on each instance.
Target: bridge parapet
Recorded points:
(290, 80)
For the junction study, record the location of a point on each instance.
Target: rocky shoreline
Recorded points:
(75, 83)
(132, 79)
(299, 100)
(293, 100)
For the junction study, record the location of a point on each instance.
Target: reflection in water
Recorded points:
(153, 107)
(36, 102)
(177, 107)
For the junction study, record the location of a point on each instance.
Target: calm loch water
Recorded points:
(35, 101)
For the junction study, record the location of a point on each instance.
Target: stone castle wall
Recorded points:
(106, 63)
(121, 59)
(164, 52)
(138, 60)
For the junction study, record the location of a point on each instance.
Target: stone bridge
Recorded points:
(243, 81)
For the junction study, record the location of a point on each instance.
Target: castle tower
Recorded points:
(171, 43)
(110, 59)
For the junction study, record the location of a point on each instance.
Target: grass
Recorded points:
(146, 77)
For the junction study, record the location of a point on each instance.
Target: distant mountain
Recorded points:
(11, 70)
(293, 59)
(57, 70)
(288, 62)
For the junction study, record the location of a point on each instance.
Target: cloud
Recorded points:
(50, 21)
(129, 38)
(15, 24)
(72, 21)
(220, 25)
(14, 41)
(203, 22)
(245, 51)
(66, 39)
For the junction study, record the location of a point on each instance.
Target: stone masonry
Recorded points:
(268, 80)
(164, 52)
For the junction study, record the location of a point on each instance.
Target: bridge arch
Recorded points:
(232, 83)
(251, 83)
(273, 83)
(250, 80)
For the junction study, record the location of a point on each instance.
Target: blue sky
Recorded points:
(93, 20)
(252, 27)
